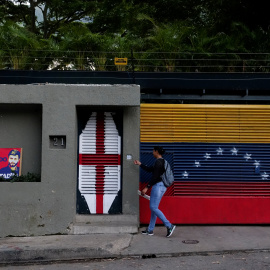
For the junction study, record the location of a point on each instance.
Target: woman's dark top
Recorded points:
(157, 170)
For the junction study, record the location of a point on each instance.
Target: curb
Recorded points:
(52, 255)
(195, 253)
(84, 254)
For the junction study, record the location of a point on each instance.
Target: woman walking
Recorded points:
(158, 190)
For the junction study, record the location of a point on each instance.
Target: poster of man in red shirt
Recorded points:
(10, 162)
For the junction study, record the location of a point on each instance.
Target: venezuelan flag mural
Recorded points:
(220, 155)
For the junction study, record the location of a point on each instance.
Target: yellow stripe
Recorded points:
(205, 123)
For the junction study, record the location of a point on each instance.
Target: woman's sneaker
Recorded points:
(147, 232)
(170, 230)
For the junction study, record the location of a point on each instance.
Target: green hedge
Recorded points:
(29, 177)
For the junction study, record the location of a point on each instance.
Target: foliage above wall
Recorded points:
(87, 35)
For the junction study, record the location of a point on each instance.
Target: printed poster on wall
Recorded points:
(10, 162)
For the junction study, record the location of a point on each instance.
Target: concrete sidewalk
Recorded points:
(212, 239)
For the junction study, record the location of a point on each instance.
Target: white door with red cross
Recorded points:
(99, 162)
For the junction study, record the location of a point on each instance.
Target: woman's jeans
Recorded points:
(157, 192)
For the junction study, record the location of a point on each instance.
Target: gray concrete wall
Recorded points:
(131, 140)
(21, 127)
(49, 207)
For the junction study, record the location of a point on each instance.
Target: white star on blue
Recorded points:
(234, 151)
(207, 156)
(219, 151)
(197, 164)
(185, 175)
(247, 156)
(264, 176)
(257, 163)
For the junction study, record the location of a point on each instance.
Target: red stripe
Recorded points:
(94, 159)
(99, 203)
(100, 149)
(80, 159)
(210, 210)
(221, 188)
(119, 160)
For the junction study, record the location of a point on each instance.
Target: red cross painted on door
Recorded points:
(99, 163)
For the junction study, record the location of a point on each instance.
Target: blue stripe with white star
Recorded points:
(213, 161)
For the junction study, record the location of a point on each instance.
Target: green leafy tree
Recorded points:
(164, 34)
(168, 40)
(220, 14)
(54, 13)
(83, 49)
(18, 44)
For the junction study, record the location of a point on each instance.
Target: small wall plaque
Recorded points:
(129, 157)
(58, 142)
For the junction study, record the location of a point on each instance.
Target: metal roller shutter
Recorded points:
(99, 162)
(220, 155)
